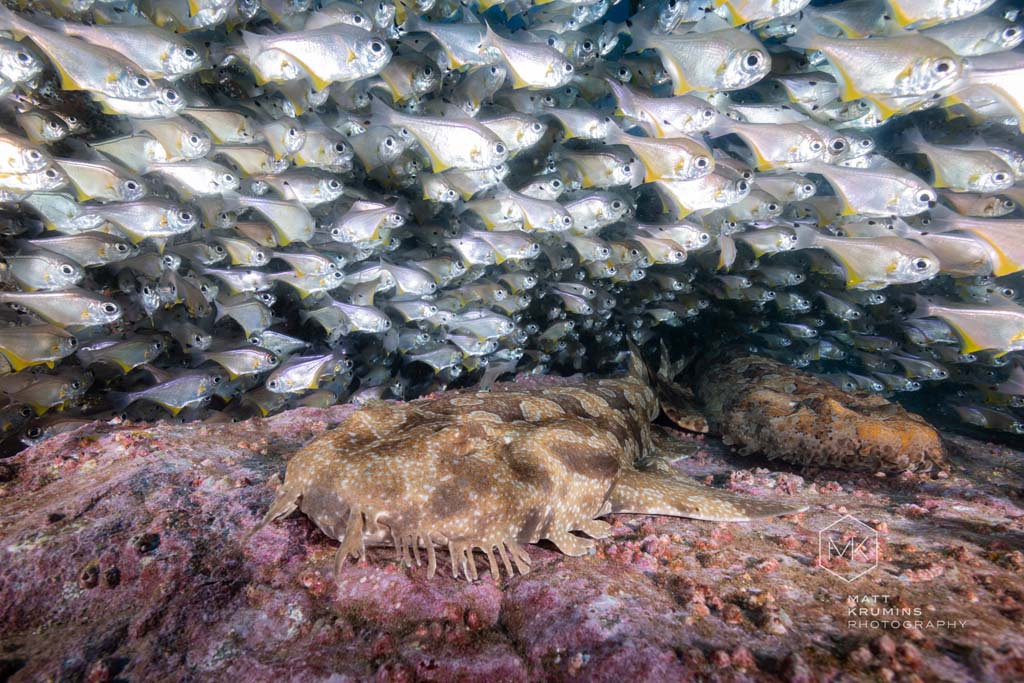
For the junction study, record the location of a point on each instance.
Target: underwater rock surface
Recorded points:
(124, 556)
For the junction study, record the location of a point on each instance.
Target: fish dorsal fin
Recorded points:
(709, 23)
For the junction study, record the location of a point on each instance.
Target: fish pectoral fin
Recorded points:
(657, 493)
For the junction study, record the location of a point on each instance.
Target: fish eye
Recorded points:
(772, 206)
(356, 20)
(217, 379)
(24, 57)
(131, 185)
(568, 68)
(34, 155)
(54, 126)
(377, 47)
(925, 197)
(865, 143)
(753, 59)
(185, 215)
(228, 178)
(339, 147)
(333, 184)
(838, 145)
(33, 432)
(816, 146)
(808, 188)
(551, 42)
(942, 66)
(67, 269)
(190, 53)
(170, 95)
(142, 82)
(1000, 177)
(110, 308)
(193, 139)
(702, 162)
(921, 264)
(556, 183)
(1010, 33)
(50, 173)
(389, 142)
(742, 186)
(616, 205)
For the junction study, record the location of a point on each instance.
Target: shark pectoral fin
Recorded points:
(654, 493)
(570, 544)
(595, 528)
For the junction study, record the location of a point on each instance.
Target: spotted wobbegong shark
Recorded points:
(492, 471)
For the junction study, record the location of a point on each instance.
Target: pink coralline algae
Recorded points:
(125, 554)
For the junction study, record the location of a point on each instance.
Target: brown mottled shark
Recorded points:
(492, 471)
(760, 405)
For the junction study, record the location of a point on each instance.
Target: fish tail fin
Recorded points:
(381, 112)
(722, 125)
(623, 95)
(14, 21)
(922, 307)
(911, 140)
(806, 237)
(640, 36)
(251, 41)
(726, 252)
(659, 492)
(119, 400)
(806, 36)
(614, 136)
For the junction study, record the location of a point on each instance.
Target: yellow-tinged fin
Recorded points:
(967, 342)
(680, 86)
(67, 82)
(1005, 265)
(435, 162)
(517, 80)
(194, 9)
(885, 110)
(847, 90)
(761, 162)
(900, 15)
(853, 278)
(318, 83)
(939, 179)
(18, 363)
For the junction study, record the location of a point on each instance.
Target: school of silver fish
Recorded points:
(212, 209)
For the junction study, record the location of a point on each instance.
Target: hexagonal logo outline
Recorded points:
(870, 535)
